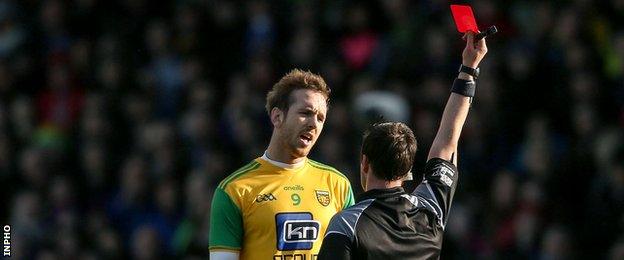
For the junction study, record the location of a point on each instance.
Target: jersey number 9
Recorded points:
(296, 199)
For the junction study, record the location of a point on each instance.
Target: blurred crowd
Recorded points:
(119, 118)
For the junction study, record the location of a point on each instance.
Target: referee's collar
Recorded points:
(381, 193)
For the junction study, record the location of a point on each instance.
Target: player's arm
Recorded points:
(226, 227)
(219, 255)
(445, 143)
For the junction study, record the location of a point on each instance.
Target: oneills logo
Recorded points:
(323, 197)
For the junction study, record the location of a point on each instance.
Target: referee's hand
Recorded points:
(474, 51)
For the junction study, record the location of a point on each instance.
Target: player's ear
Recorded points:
(277, 117)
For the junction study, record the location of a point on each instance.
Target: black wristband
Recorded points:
(464, 87)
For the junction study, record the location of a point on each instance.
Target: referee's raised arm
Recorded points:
(387, 222)
(445, 143)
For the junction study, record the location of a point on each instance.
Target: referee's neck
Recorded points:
(374, 183)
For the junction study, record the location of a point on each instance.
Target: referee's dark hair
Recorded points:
(390, 148)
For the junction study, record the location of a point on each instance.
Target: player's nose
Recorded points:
(312, 123)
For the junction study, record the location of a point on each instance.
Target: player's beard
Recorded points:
(297, 149)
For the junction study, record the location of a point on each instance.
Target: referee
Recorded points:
(388, 223)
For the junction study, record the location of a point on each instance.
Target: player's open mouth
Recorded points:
(306, 138)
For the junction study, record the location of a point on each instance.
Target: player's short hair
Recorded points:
(391, 149)
(296, 79)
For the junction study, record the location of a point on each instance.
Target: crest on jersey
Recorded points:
(323, 197)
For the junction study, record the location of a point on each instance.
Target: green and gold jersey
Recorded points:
(266, 212)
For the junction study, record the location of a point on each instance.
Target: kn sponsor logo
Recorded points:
(296, 231)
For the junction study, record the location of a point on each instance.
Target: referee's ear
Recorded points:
(364, 170)
(364, 164)
(277, 117)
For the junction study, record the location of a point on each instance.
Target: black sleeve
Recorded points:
(438, 187)
(335, 246)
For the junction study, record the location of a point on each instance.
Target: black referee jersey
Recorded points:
(392, 224)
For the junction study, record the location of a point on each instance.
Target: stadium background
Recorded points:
(118, 118)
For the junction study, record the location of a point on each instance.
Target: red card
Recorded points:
(464, 18)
